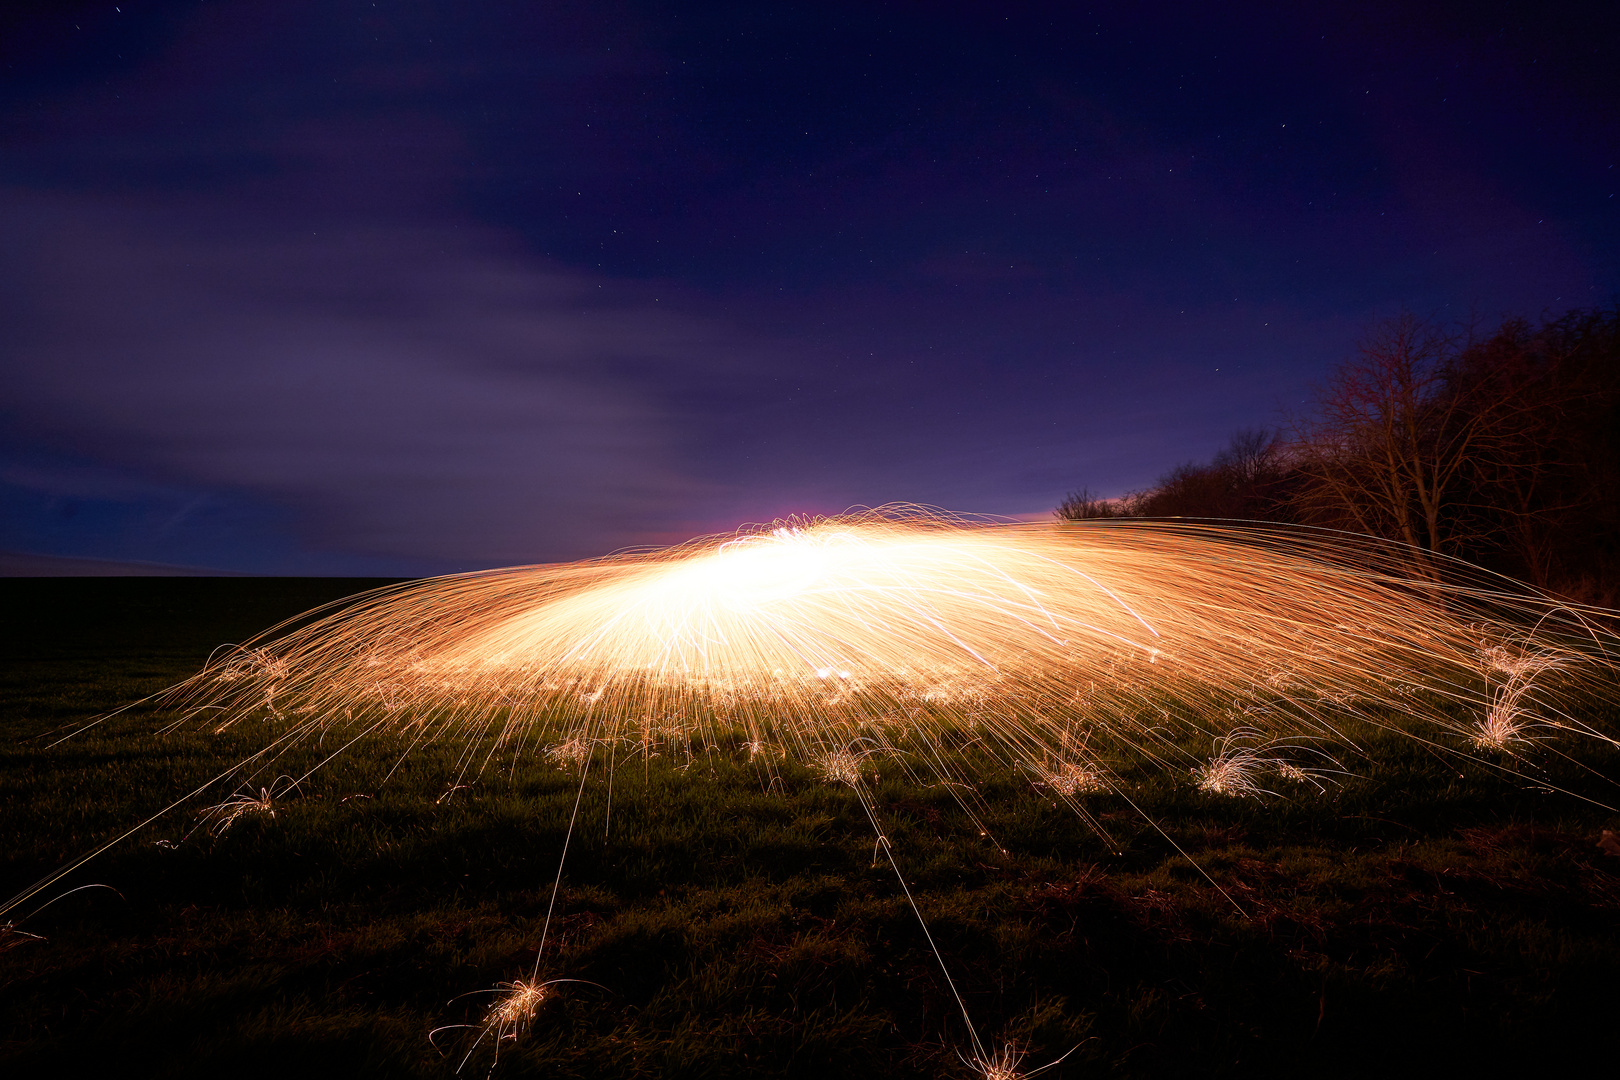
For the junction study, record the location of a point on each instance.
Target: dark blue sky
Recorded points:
(405, 287)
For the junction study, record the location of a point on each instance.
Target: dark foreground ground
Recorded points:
(1424, 915)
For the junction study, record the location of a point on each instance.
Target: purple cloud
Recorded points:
(413, 391)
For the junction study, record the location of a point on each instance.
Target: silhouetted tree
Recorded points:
(1502, 449)
(1545, 487)
(1245, 480)
(1391, 439)
(1082, 504)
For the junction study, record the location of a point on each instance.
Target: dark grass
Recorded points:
(1426, 914)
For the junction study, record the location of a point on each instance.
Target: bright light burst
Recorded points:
(903, 630)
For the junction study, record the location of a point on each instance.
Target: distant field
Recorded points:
(1420, 916)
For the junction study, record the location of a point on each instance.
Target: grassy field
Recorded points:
(1423, 914)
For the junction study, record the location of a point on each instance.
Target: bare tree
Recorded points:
(1392, 440)
(1502, 449)
(1241, 482)
(1252, 457)
(1533, 480)
(1082, 504)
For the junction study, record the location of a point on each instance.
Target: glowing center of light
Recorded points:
(754, 571)
(827, 602)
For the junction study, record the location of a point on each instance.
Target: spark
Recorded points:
(1236, 767)
(1070, 778)
(1293, 773)
(1002, 1066)
(1509, 715)
(840, 767)
(12, 936)
(573, 752)
(1005, 1064)
(511, 1014)
(509, 1017)
(221, 816)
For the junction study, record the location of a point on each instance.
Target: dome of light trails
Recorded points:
(1039, 643)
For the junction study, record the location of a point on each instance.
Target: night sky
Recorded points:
(415, 286)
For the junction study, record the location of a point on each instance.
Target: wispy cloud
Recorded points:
(403, 390)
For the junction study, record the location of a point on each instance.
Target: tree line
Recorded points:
(1500, 448)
